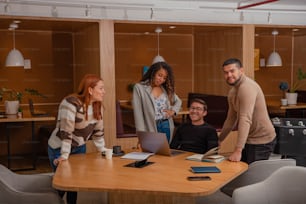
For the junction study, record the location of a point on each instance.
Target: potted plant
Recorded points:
(13, 98)
(291, 94)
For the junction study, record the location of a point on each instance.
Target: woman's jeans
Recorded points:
(163, 126)
(56, 153)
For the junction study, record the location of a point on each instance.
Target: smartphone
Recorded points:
(198, 178)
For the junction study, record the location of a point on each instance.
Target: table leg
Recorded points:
(9, 156)
(33, 145)
(7, 132)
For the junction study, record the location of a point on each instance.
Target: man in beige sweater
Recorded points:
(247, 111)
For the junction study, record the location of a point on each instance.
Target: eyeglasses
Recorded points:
(196, 109)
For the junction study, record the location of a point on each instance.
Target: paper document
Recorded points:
(137, 155)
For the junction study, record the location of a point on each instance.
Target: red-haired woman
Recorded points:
(80, 117)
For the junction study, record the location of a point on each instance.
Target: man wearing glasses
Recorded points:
(196, 136)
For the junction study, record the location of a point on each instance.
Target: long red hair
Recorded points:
(89, 80)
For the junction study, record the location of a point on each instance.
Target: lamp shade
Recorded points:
(158, 58)
(14, 59)
(274, 60)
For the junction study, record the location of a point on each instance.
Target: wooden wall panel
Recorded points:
(135, 51)
(211, 49)
(51, 73)
(107, 70)
(270, 77)
(248, 50)
(51, 56)
(86, 53)
(299, 59)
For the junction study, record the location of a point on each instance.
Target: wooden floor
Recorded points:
(17, 163)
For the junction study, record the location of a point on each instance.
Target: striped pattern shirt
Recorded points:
(72, 128)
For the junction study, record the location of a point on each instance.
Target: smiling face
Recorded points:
(160, 77)
(196, 113)
(232, 73)
(97, 92)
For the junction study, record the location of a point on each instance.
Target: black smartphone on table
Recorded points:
(198, 178)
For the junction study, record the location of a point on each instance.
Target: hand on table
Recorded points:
(58, 160)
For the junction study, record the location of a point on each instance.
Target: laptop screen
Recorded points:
(155, 142)
(33, 112)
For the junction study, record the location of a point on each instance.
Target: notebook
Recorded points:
(210, 156)
(205, 169)
(156, 143)
(35, 113)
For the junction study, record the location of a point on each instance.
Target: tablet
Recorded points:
(205, 169)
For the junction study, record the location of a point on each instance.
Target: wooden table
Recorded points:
(11, 121)
(301, 107)
(298, 107)
(162, 182)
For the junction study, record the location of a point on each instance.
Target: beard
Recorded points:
(235, 82)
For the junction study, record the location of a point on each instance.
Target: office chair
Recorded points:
(286, 186)
(119, 124)
(35, 189)
(217, 198)
(257, 171)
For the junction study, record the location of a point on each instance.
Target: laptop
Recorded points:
(156, 142)
(36, 113)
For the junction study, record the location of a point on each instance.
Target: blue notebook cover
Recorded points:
(205, 169)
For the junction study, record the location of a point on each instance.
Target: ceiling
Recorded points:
(129, 25)
(137, 28)
(279, 12)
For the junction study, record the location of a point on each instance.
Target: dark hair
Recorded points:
(169, 83)
(89, 80)
(198, 100)
(232, 61)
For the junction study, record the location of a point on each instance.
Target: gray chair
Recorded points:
(257, 172)
(285, 186)
(27, 189)
(217, 198)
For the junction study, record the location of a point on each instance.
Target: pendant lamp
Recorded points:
(158, 58)
(274, 59)
(14, 57)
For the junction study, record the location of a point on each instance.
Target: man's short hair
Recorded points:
(201, 101)
(233, 61)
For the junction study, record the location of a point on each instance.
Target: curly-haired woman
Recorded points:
(154, 100)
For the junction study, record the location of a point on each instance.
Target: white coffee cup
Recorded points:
(284, 101)
(108, 153)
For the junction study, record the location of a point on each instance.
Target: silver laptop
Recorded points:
(156, 143)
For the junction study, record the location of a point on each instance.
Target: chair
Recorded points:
(285, 186)
(257, 172)
(17, 188)
(119, 124)
(217, 198)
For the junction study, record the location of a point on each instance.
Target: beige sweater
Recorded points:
(248, 110)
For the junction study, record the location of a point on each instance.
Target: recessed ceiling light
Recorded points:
(147, 33)
(172, 27)
(295, 29)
